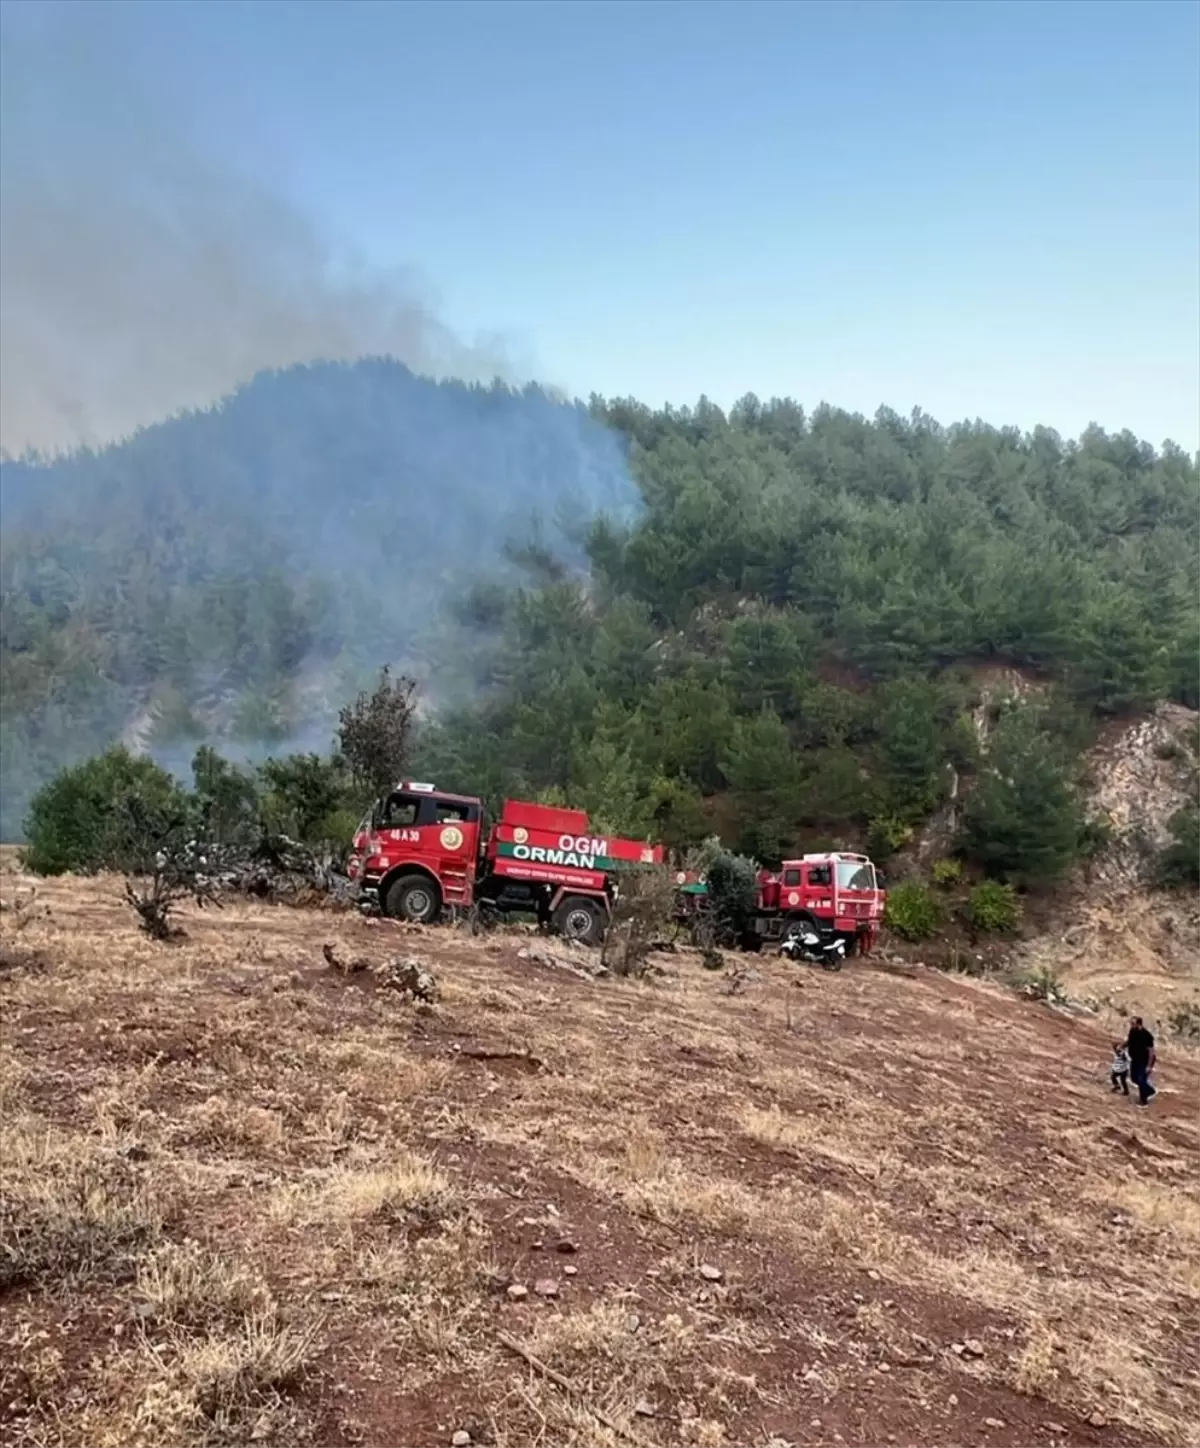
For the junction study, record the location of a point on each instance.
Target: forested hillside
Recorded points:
(232, 573)
(782, 641)
(788, 640)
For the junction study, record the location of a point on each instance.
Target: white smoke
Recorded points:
(140, 276)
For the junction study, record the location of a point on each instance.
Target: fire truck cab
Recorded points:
(418, 851)
(830, 893)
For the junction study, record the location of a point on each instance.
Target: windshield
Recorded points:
(855, 875)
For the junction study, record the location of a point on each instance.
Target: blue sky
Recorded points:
(982, 209)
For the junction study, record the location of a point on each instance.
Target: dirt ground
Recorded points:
(249, 1198)
(1136, 953)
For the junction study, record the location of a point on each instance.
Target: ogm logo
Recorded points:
(520, 834)
(452, 837)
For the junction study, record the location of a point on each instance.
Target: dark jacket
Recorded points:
(1140, 1046)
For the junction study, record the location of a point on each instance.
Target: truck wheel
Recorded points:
(800, 925)
(578, 918)
(413, 897)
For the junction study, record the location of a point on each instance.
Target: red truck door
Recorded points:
(454, 835)
(430, 833)
(807, 888)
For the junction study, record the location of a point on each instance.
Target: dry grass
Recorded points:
(188, 1285)
(637, 1167)
(217, 1387)
(407, 1187)
(69, 1209)
(1156, 1206)
(859, 1137)
(1037, 1369)
(233, 1127)
(245, 1200)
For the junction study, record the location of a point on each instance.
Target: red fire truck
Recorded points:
(421, 850)
(835, 894)
(831, 894)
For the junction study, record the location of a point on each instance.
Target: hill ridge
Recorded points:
(333, 517)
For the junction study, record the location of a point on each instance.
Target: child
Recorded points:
(1120, 1067)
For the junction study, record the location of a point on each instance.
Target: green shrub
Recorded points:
(307, 796)
(1095, 835)
(947, 873)
(1042, 984)
(962, 743)
(1185, 1021)
(963, 962)
(102, 814)
(338, 827)
(993, 907)
(1179, 864)
(912, 911)
(885, 835)
(226, 798)
(732, 885)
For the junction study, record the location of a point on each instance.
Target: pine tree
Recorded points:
(1023, 821)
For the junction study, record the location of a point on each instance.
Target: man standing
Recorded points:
(1140, 1045)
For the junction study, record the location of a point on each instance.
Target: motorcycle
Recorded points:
(829, 952)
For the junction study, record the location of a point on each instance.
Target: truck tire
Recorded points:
(579, 918)
(413, 897)
(801, 925)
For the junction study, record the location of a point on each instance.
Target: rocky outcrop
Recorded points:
(1121, 943)
(1140, 775)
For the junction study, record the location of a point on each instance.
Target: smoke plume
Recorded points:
(265, 470)
(140, 276)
